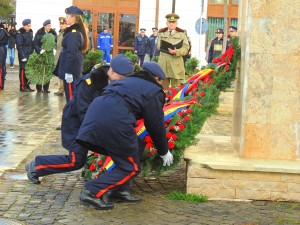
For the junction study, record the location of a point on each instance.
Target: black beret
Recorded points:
(233, 28)
(154, 69)
(172, 17)
(73, 10)
(46, 22)
(220, 31)
(122, 65)
(26, 22)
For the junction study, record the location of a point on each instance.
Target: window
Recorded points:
(127, 30)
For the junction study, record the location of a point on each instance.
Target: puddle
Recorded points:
(22, 176)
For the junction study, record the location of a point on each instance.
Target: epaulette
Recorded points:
(73, 31)
(163, 30)
(88, 81)
(179, 29)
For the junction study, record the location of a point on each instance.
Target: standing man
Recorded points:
(4, 36)
(171, 59)
(233, 32)
(109, 128)
(62, 27)
(141, 45)
(24, 43)
(216, 46)
(38, 48)
(105, 43)
(12, 45)
(152, 51)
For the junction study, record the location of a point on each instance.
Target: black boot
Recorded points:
(123, 196)
(31, 173)
(88, 199)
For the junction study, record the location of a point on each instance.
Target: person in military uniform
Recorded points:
(216, 46)
(38, 49)
(233, 32)
(171, 60)
(152, 51)
(74, 44)
(24, 42)
(140, 45)
(109, 128)
(88, 88)
(4, 36)
(62, 27)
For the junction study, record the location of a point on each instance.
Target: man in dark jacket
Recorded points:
(141, 45)
(38, 48)
(88, 88)
(24, 43)
(12, 45)
(108, 128)
(152, 51)
(4, 36)
(216, 46)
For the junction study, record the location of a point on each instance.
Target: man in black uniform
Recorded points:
(24, 43)
(38, 48)
(88, 87)
(108, 128)
(216, 46)
(4, 36)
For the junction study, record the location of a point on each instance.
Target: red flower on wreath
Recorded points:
(171, 144)
(181, 127)
(169, 135)
(149, 145)
(96, 154)
(202, 93)
(100, 162)
(186, 118)
(92, 167)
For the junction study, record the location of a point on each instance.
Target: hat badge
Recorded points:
(172, 18)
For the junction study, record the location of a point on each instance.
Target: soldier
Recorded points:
(216, 46)
(152, 51)
(74, 44)
(140, 45)
(233, 31)
(170, 59)
(62, 27)
(38, 49)
(24, 44)
(88, 88)
(4, 36)
(108, 128)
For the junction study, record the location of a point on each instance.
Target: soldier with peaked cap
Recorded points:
(216, 46)
(171, 60)
(141, 45)
(24, 42)
(88, 88)
(62, 27)
(43, 88)
(4, 36)
(109, 128)
(74, 44)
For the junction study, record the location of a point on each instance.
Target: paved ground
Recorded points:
(27, 128)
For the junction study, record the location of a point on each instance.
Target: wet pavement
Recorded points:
(28, 123)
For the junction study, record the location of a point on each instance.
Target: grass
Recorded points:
(179, 196)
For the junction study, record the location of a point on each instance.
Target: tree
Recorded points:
(7, 7)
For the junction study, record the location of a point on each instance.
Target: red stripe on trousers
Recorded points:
(70, 90)
(22, 79)
(101, 192)
(58, 166)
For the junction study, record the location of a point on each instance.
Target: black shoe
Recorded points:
(46, 92)
(88, 199)
(122, 196)
(58, 93)
(58, 128)
(29, 89)
(31, 173)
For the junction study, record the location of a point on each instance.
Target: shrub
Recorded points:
(90, 59)
(191, 66)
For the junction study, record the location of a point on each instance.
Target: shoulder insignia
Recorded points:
(73, 31)
(163, 30)
(88, 81)
(179, 29)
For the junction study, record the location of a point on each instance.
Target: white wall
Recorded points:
(39, 11)
(189, 12)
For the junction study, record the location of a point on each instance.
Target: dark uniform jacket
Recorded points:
(71, 57)
(111, 118)
(3, 42)
(24, 45)
(141, 44)
(152, 46)
(88, 88)
(38, 39)
(215, 49)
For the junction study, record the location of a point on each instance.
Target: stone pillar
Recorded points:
(266, 109)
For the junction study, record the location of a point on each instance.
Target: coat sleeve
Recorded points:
(37, 43)
(72, 51)
(185, 46)
(210, 52)
(155, 124)
(83, 99)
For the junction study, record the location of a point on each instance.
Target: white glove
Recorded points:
(24, 60)
(69, 78)
(54, 51)
(42, 51)
(167, 158)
